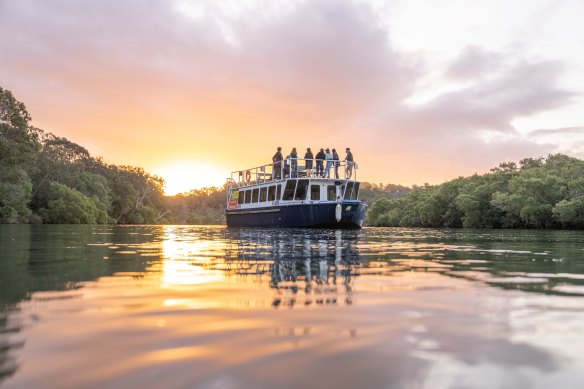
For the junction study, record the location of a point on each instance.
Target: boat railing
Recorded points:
(294, 168)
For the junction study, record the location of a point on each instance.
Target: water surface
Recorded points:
(212, 307)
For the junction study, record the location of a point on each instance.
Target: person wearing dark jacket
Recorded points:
(277, 160)
(336, 162)
(320, 163)
(308, 160)
(350, 163)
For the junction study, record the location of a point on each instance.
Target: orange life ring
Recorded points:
(247, 176)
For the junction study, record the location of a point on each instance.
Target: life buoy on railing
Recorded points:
(247, 176)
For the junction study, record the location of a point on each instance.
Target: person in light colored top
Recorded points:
(329, 163)
(294, 162)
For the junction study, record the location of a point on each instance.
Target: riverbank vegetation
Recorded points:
(45, 178)
(537, 193)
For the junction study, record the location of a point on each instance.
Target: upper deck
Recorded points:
(293, 168)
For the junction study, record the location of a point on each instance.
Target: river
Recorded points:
(214, 307)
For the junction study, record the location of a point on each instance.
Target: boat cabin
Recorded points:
(262, 187)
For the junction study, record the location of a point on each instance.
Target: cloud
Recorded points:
(522, 90)
(144, 81)
(566, 131)
(474, 62)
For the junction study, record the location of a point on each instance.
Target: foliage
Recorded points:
(47, 178)
(18, 148)
(69, 206)
(15, 193)
(369, 192)
(540, 193)
(201, 206)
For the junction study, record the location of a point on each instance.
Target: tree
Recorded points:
(541, 194)
(15, 194)
(69, 206)
(570, 213)
(18, 147)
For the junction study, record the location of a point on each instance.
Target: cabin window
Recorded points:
(301, 190)
(278, 192)
(238, 196)
(315, 192)
(263, 194)
(331, 192)
(254, 198)
(272, 193)
(348, 191)
(355, 191)
(247, 197)
(289, 191)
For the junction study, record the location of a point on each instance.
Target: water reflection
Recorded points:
(304, 266)
(532, 261)
(215, 307)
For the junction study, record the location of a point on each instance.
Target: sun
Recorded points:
(182, 177)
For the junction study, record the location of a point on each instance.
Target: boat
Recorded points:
(290, 193)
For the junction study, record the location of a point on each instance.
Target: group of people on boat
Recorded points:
(323, 162)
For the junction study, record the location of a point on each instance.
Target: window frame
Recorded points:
(312, 191)
(303, 185)
(328, 192)
(289, 191)
(348, 191)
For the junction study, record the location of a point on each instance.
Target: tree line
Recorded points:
(537, 193)
(45, 178)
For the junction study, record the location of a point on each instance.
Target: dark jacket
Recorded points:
(349, 157)
(320, 155)
(308, 157)
(277, 157)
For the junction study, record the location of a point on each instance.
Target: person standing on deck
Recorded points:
(329, 163)
(294, 162)
(287, 167)
(350, 163)
(308, 161)
(336, 162)
(277, 160)
(319, 163)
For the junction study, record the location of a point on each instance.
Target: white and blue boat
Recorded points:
(292, 194)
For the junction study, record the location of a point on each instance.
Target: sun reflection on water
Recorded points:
(184, 261)
(186, 306)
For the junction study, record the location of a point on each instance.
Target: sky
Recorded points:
(421, 91)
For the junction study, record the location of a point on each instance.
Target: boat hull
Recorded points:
(318, 215)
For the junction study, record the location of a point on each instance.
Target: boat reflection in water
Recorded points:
(304, 266)
(192, 306)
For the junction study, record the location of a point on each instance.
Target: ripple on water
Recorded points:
(189, 306)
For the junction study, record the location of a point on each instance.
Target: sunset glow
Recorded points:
(421, 91)
(182, 177)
